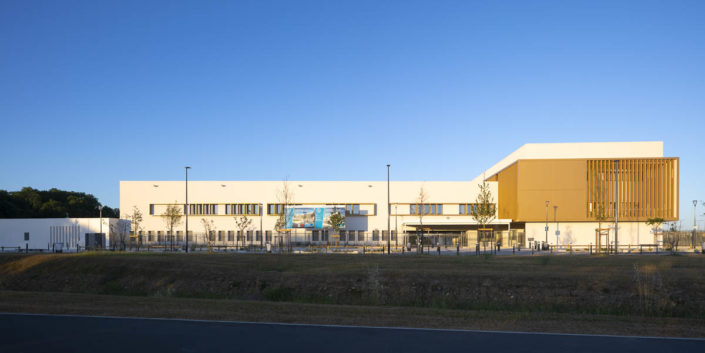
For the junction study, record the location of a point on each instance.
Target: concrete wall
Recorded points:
(69, 231)
(583, 233)
(371, 195)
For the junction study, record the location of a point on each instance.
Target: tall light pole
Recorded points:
(186, 210)
(695, 227)
(389, 210)
(616, 206)
(555, 211)
(100, 215)
(547, 202)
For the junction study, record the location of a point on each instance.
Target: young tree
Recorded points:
(421, 200)
(242, 223)
(336, 221)
(209, 229)
(600, 216)
(172, 219)
(285, 196)
(135, 219)
(484, 210)
(672, 238)
(655, 223)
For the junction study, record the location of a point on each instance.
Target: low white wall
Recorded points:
(70, 231)
(583, 233)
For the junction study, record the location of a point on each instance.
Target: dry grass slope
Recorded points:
(656, 286)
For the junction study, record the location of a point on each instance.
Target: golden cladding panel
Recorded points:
(559, 181)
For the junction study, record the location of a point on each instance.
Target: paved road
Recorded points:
(52, 333)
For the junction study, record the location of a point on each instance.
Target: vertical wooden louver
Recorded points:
(648, 188)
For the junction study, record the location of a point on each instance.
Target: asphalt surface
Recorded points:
(57, 333)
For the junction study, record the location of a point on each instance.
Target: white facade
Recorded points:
(152, 197)
(46, 233)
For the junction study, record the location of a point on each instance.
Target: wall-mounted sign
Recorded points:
(310, 217)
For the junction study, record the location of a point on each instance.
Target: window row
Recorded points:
(220, 235)
(351, 209)
(242, 209)
(256, 236)
(426, 208)
(469, 208)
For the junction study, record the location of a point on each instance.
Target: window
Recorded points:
(160, 236)
(352, 209)
(360, 235)
(427, 208)
(394, 235)
(268, 235)
(242, 209)
(258, 235)
(179, 235)
(240, 236)
(203, 209)
(375, 235)
(151, 208)
(26, 236)
(231, 235)
(150, 235)
(342, 235)
(324, 235)
(220, 235)
(468, 208)
(275, 208)
(385, 235)
(211, 235)
(314, 235)
(249, 235)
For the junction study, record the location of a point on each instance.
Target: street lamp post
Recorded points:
(616, 206)
(186, 210)
(389, 210)
(555, 211)
(100, 215)
(546, 229)
(695, 227)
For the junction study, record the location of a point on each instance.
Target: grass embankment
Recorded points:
(655, 295)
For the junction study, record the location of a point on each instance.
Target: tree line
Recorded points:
(52, 203)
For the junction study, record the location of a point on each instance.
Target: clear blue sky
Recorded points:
(95, 92)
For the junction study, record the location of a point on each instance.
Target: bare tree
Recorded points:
(135, 219)
(209, 229)
(421, 199)
(285, 196)
(242, 223)
(172, 219)
(484, 210)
